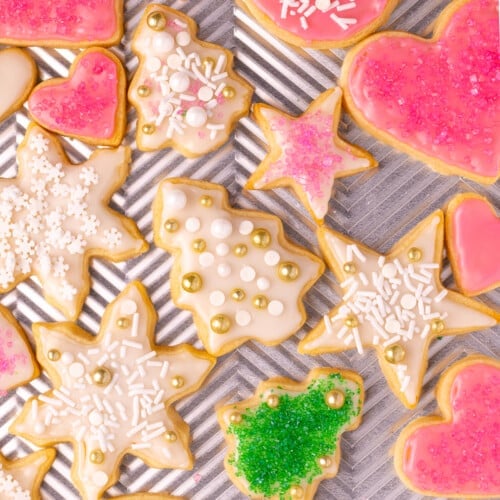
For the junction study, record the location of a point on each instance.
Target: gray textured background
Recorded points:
(377, 208)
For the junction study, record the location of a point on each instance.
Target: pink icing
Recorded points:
(440, 98)
(11, 356)
(476, 243)
(85, 104)
(349, 18)
(462, 457)
(63, 20)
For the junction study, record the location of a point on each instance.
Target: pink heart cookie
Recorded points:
(88, 105)
(457, 455)
(434, 99)
(473, 240)
(61, 23)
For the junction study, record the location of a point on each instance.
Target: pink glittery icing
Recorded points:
(10, 355)
(65, 20)
(462, 457)
(476, 244)
(440, 98)
(86, 104)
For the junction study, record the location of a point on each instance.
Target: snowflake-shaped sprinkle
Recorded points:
(89, 176)
(76, 245)
(67, 291)
(39, 144)
(113, 237)
(60, 268)
(90, 224)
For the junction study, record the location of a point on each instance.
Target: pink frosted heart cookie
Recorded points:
(434, 99)
(61, 23)
(456, 455)
(321, 24)
(88, 105)
(473, 240)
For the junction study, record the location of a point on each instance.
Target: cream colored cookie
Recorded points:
(285, 440)
(18, 74)
(113, 393)
(234, 269)
(185, 91)
(148, 496)
(55, 217)
(394, 303)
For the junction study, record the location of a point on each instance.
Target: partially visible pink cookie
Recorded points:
(473, 242)
(89, 105)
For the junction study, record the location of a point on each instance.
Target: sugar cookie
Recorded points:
(148, 496)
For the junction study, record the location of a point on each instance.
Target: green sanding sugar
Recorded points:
(278, 448)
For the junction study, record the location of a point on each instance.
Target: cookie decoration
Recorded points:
(61, 23)
(18, 74)
(395, 304)
(285, 440)
(472, 241)
(21, 479)
(17, 363)
(456, 455)
(113, 393)
(321, 24)
(313, 138)
(55, 217)
(89, 105)
(234, 269)
(148, 496)
(185, 91)
(433, 99)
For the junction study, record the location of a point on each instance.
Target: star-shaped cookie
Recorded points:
(113, 393)
(395, 304)
(306, 152)
(54, 217)
(21, 479)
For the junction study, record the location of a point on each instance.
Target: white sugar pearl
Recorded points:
(408, 301)
(183, 38)
(95, 418)
(389, 271)
(128, 307)
(76, 370)
(243, 318)
(222, 249)
(392, 326)
(246, 227)
(192, 224)
(224, 270)
(263, 284)
(275, 308)
(206, 259)
(67, 358)
(196, 117)
(221, 228)
(39, 428)
(175, 199)
(322, 5)
(247, 274)
(100, 478)
(153, 64)
(163, 42)
(174, 61)
(205, 94)
(179, 81)
(271, 257)
(217, 298)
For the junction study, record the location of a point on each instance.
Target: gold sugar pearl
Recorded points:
(296, 492)
(122, 322)
(191, 282)
(148, 128)
(394, 354)
(240, 250)
(228, 92)
(199, 245)
(157, 21)
(325, 462)
(238, 294)
(437, 326)
(177, 382)
(206, 201)
(96, 456)
(288, 271)
(351, 321)
(171, 225)
(273, 401)
(143, 91)
(260, 302)
(349, 267)
(208, 61)
(220, 323)
(260, 238)
(53, 355)
(101, 376)
(170, 436)
(414, 254)
(235, 418)
(335, 399)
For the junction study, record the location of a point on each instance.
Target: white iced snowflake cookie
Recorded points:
(113, 393)
(186, 94)
(54, 217)
(234, 269)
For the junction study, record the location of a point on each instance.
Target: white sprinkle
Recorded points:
(425, 331)
(376, 340)
(357, 340)
(131, 343)
(342, 331)
(247, 274)
(406, 382)
(243, 318)
(135, 325)
(348, 339)
(34, 409)
(271, 258)
(137, 429)
(80, 433)
(83, 358)
(358, 253)
(102, 359)
(422, 279)
(97, 401)
(441, 295)
(363, 278)
(381, 261)
(154, 434)
(394, 298)
(140, 446)
(275, 308)
(328, 324)
(145, 357)
(64, 398)
(347, 282)
(217, 298)
(50, 401)
(164, 369)
(392, 340)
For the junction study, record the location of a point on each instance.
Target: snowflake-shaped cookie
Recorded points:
(54, 216)
(113, 393)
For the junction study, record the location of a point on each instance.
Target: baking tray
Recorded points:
(376, 208)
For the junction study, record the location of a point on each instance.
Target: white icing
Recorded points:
(206, 259)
